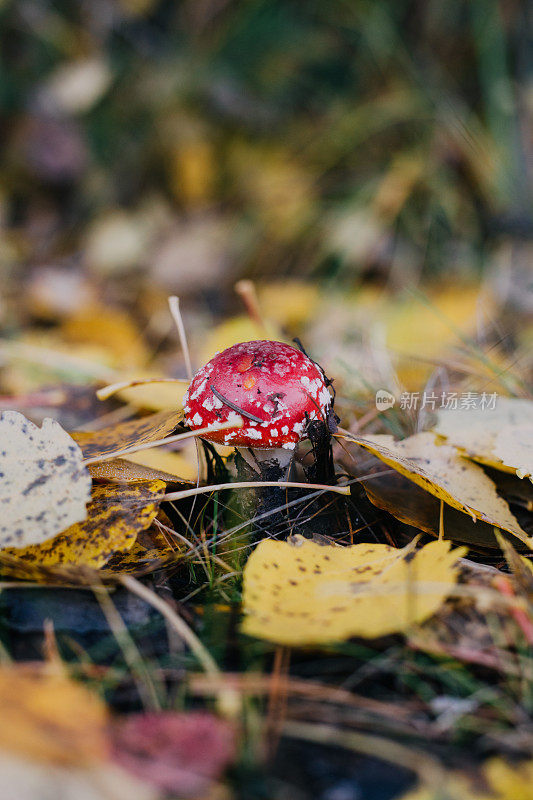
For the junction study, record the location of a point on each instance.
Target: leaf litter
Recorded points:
(406, 592)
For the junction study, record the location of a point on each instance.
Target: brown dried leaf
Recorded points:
(441, 471)
(120, 470)
(412, 505)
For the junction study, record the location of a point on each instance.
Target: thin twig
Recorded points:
(219, 487)
(174, 303)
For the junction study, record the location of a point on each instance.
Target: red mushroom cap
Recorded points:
(276, 387)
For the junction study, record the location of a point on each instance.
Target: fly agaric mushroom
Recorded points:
(276, 390)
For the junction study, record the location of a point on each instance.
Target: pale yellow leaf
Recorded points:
(474, 430)
(514, 446)
(289, 304)
(302, 593)
(150, 393)
(440, 469)
(110, 329)
(76, 86)
(44, 486)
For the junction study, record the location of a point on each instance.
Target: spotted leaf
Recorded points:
(44, 486)
(302, 593)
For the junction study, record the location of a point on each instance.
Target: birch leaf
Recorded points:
(127, 434)
(115, 517)
(302, 593)
(44, 486)
(474, 430)
(150, 552)
(440, 470)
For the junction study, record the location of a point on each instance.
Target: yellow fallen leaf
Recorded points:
(289, 304)
(440, 470)
(514, 446)
(504, 782)
(48, 717)
(474, 430)
(278, 189)
(192, 167)
(149, 552)
(115, 516)
(152, 394)
(110, 329)
(419, 327)
(127, 434)
(301, 593)
(232, 331)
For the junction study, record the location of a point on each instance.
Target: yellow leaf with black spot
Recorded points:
(127, 434)
(440, 470)
(115, 516)
(150, 551)
(302, 593)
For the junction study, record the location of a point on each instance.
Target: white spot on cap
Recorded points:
(324, 398)
(197, 419)
(251, 433)
(289, 445)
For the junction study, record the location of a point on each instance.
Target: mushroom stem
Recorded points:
(268, 459)
(264, 466)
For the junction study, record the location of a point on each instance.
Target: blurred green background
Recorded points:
(177, 147)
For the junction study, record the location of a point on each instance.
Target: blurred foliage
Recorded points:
(186, 145)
